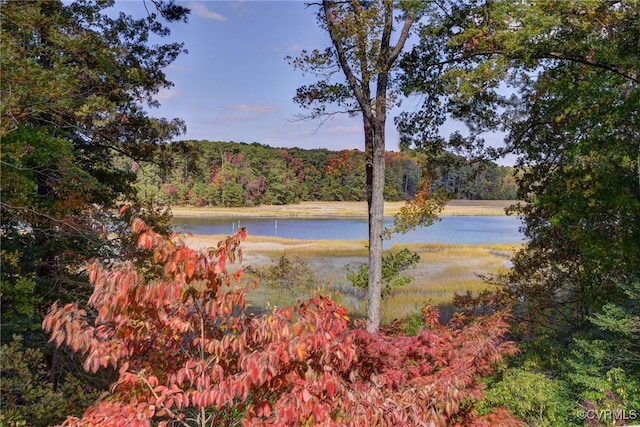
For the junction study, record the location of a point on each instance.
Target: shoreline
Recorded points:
(339, 210)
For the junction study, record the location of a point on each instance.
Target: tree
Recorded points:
(29, 397)
(362, 49)
(605, 358)
(74, 84)
(74, 80)
(561, 80)
(187, 353)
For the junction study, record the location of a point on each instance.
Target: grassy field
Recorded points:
(443, 271)
(340, 209)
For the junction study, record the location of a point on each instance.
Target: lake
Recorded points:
(450, 229)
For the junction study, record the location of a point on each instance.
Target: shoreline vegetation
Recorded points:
(443, 269)
(339, 209)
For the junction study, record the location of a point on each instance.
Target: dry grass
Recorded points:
(444, 271)
(339, 209)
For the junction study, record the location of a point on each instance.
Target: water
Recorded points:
(450, 229)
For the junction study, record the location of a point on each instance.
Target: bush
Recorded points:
(533, 397)
(187, 353)
(29, 397)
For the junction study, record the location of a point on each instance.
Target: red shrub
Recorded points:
(187, 353)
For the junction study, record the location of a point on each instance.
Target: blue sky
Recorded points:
(235, 84)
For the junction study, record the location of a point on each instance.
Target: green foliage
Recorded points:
(570, 114)
(532, 397)
(27, 395)
(75, 82)
(19, 299)
(292, 274)
(604, 366)
(570, 117)
(392, 265)
(412, 324)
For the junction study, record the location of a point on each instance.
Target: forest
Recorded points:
(206, 173)
(110, 319)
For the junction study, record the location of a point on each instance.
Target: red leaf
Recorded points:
(331, 388)
(138, 225)
(190, 268)
(238, 275)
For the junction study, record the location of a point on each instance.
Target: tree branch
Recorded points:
(404, 35)
(364, 104)
(591, 62)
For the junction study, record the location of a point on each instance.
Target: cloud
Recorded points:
(229, 118)
(340, 130)
(165, 94)
(289, 48)
(256, 108)
(201, 10)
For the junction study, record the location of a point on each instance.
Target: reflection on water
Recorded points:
(450, 229)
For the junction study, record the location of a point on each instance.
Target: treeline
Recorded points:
(214, 173)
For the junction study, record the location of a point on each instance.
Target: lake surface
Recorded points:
(450, 229)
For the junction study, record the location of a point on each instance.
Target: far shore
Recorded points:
(340, 209)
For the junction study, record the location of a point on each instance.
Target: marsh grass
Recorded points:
(443, 271)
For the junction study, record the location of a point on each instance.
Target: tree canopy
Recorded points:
(560, 80)
(77, 81)
(216, 173)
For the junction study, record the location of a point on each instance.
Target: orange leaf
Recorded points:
(301, 350)
(138, 225)
(190, 268)
(123, 209)
(238, 275)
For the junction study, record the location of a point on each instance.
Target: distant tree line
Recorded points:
(214, 173)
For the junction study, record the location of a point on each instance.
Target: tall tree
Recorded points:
(561, 80)
(361, 37)
(75, 82)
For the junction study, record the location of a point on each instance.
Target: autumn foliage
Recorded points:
(187, 353)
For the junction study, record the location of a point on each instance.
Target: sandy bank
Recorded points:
(339, 209)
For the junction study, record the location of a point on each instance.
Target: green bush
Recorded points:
(533, 397)
(392, 264)
(29, 397)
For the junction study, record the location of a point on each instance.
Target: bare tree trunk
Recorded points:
(376, 225)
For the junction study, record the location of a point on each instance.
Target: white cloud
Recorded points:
(289, 48)
(201, 10)
(229, 118)
(165, 94)
(339, 130)
(256, 108)
(179, 68)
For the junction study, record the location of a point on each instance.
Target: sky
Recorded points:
(235, 84)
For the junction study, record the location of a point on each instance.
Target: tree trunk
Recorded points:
(376, 225)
